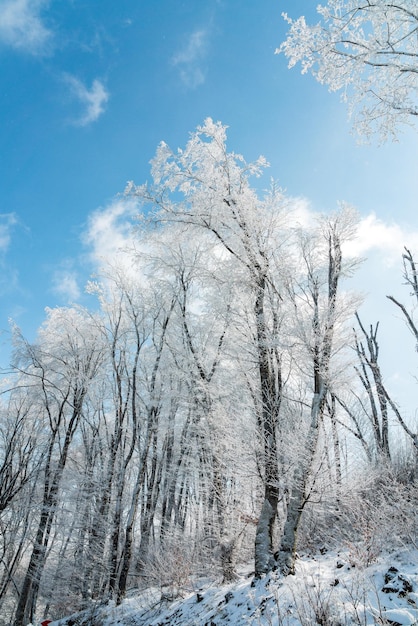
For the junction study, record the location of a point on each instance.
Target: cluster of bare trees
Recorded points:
(216, 387)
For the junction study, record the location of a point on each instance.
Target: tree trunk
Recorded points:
(321, 351)
(299, 495)
(26, 607)
(369, 361)
(270, 402)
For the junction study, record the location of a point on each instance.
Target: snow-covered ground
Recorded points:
(334, 589)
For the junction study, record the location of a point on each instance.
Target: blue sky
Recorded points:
(88, 90)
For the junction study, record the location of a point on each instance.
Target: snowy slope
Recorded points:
(330, 589)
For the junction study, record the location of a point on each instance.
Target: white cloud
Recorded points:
(7, 221)
(387, 239)
(21, 25)
(93, 99)
(65, 284)
(193, 50)
(110, 231)
(301, 213)
(9, 276)
(189, 58)
(109, 239)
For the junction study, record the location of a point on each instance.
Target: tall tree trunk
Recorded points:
(299, 494)
(264, 559)
(320, 350)
(336, 444)
(128, 542)
(25, 611)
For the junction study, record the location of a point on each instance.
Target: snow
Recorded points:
(326, 589)
(400, 616)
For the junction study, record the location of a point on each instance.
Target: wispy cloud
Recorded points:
(22, 27)
(189, 59)
(7, 222)
(93, 100)
(65, 283)
(9, 276)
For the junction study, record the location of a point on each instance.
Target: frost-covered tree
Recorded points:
(208, 189)
(21, 455)
(135, 317)
(369, 50)
(59, 370)
(321, 311)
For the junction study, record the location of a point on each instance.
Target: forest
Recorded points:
(221, 403)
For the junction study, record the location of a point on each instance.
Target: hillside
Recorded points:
(330, 589)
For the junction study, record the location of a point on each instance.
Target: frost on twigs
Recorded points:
(369, 52)
(202, 174)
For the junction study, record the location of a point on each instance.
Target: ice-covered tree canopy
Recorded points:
(369, 50)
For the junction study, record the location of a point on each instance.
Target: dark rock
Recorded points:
(407, 585)
(397, 583)
(390, 574)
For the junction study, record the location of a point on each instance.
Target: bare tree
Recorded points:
(410, 276)
(368, 364)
